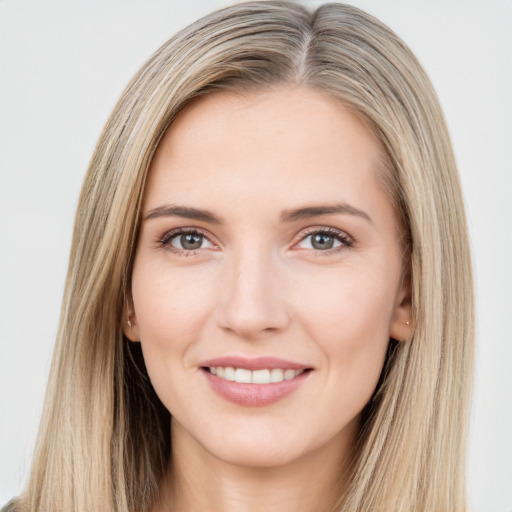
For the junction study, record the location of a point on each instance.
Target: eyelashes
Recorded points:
(317, 241)
(324, 240)
(186, 241)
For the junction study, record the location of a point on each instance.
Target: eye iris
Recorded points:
(322, 241)
(191, 241)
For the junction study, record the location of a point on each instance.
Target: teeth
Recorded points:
(289, 374)
(276, 375)
(229, 373)
(243, 376)
(265, 376)
(260, 377)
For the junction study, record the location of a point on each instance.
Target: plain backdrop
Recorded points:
(63, 65)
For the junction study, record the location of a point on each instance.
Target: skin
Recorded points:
(257, 286)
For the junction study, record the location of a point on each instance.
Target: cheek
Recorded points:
(348, 316)
(171, 309)
(351, 304)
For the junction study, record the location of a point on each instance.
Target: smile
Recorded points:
(245, 376)
(253, 382)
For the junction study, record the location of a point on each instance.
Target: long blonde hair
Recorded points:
(104, 437)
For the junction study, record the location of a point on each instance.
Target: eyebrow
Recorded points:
(314, 211)
(294, 215)
(183, 211)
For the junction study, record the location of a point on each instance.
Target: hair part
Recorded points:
(93, 452)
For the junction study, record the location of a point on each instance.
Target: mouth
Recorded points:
(261, 376)
(254, 382)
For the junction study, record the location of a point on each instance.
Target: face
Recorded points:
(267, 280)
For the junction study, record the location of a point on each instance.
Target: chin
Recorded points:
(246, 443)
(267, 445)
(256, 455)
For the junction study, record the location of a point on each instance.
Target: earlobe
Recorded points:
(402, 328)
(130, 326)
(402, 332)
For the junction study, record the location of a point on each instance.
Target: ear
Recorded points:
(401, 327)
(130, 325)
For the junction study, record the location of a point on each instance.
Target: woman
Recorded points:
(269, 299)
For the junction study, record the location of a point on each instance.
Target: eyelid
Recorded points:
(346, 240)
(165, 240)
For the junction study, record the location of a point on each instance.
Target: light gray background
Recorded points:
(64, 63)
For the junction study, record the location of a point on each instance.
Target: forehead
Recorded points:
(284, 145)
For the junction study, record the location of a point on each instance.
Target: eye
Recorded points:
(185, 241)
(325, 240)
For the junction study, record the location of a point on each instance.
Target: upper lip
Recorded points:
(256, 363)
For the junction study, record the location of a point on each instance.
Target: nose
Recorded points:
(252, 300)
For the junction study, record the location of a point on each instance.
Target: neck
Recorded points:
(197, 480)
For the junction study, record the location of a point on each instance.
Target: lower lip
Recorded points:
(254, 395)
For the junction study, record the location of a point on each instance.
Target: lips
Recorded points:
(254, 382)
